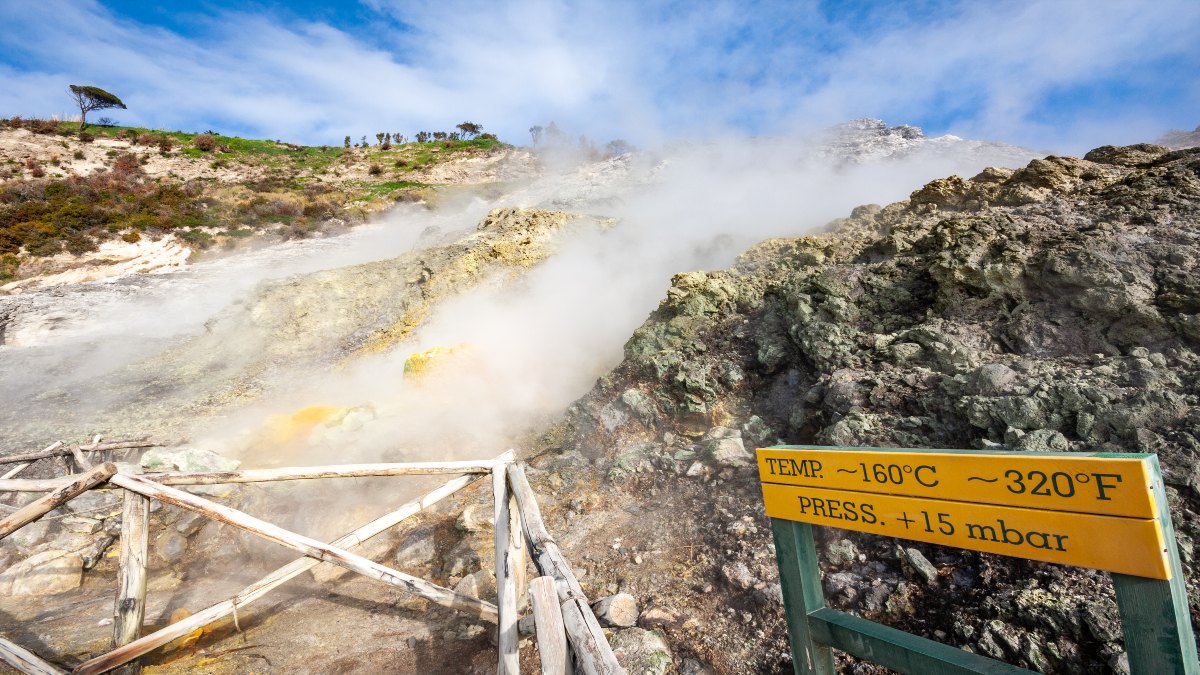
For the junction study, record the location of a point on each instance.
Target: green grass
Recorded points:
(385, 188)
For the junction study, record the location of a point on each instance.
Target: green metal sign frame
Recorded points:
(1154, 614)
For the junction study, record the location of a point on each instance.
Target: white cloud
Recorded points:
(617, 69)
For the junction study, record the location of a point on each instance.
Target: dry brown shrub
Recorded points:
(204, 142)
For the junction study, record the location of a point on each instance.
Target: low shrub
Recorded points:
(86, 137)
(126, 163)
(131, 237)
(198, 238)
(78, 154)
(78, 243)
(375, 170)
(41, 126)
(204, 142)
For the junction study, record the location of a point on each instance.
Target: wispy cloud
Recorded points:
(1060, 75)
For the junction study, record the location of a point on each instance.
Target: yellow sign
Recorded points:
(1094, 512)
(1061, 482)
(1126, 545)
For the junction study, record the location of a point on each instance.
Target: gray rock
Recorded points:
(475, 518)
(416, 550)
(993, 378)
(170, 546)
(875, 597)
(189, 523)
(1043, 440)
(843, 586)
(694, 667)
(82, 524)
(723, 447)
(1040, 608)
(461, 560)
(95, 503)
(642, 652)
(841, 552)
(1102, 620)
(186, 459)
(481, 584)
(44, 573)
(30, 535)
(770, 595)
(1119, 664)
(921, 565)
(738, 574)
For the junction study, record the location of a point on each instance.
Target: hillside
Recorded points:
(110, 200)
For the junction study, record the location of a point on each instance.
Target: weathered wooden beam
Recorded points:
(24, 660)
(551, 635)
(267, 475)
(58, 448)
(542, 547)
(507, 558)
(34, 510)
(270, 582)
(53, 450)
(129, 612)
(80, 461)
(15, 470)
(310, 547)
(314, 472)
(593, 655)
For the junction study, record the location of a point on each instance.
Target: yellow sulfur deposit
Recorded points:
(281, 429)
(420, 364)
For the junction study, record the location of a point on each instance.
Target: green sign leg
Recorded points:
(800, 578)
(1157, 626)
(1154, 613)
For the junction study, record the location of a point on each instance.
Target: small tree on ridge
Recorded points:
(93, 98)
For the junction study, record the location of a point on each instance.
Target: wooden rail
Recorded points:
(270, 475)
(65, 493)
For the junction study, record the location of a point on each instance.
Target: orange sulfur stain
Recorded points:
(281, 429)
(191, 638)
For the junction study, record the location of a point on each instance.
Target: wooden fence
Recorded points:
(569, 636)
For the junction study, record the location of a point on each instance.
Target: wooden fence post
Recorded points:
(551, 635)
(593, 654)
(506, 582)
(130, 609)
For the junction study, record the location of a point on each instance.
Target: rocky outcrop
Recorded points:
(1178, 139)
(1051, 308)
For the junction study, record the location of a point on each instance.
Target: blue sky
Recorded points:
(1057, 75)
